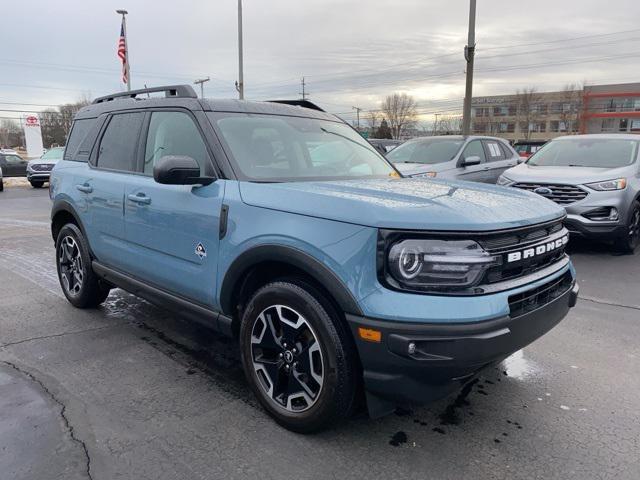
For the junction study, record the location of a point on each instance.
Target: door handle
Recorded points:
(486, 168)
(85, 188)
(139, 198)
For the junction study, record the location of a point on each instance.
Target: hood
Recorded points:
(407, 203)
(41, 161)
(566, 175)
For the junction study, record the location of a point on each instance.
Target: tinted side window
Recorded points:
(78, 133)
(13, 159)
(173, 133)
(494, 152)
(474, 149)
(118, 145)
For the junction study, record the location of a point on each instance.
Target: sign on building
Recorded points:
(32, 136)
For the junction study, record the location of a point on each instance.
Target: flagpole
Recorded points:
(126, 50)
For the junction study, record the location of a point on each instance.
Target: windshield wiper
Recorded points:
(346, 138)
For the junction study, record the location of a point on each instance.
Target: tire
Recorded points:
(79, 283)
(36, 184)
(631, 239)
(319, 361)
(1, 185)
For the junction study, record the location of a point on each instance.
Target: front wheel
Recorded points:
(79, 283)
(1, 185)
(298, 357)
(631, 238)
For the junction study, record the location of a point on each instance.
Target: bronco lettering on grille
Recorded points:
(537, 250)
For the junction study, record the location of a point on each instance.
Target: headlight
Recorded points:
(425, 174)
(608, 185)
(502, 180)
(438, 265)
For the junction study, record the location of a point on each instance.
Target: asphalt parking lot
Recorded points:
(130, 391)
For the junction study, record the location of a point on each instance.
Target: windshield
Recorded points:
(427, 151)
(280, 148)
(53, 154)
(586, 152)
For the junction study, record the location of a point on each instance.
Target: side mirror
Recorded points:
(179, 170)
(470, 161)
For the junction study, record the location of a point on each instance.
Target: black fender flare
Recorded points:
(65, 206)
(291, 256)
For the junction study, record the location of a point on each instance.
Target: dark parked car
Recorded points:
(384, 145)
(13, 165)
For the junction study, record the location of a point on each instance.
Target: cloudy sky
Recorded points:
(351, 52)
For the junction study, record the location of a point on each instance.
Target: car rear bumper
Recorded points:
(445, 356)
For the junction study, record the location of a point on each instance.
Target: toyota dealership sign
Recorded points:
(32, 135)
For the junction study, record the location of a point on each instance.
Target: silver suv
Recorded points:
(596, 178)
(471, 158)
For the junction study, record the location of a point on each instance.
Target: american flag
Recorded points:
(122, 52)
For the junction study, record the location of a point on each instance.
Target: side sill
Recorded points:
(198, 313)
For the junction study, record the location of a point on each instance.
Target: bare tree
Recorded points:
(57, 123)
(449, 125)
(527, 103)
(9, 132)
(400, 110)
(572, 106)
(372, 118)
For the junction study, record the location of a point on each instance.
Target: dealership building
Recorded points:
(545, 115)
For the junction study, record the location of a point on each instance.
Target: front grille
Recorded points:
(561, 194)
(42, 167)
(527, 301)
(517, 241)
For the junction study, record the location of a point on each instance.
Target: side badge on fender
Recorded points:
(200, 251)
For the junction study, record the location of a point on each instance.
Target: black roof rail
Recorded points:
(298, 103)
(171, 91)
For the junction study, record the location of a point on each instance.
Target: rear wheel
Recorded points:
(37, 184)
(631, 238)
(297, 356)
(1, 185)
(79, 283)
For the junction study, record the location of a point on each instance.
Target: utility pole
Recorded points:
(304, 92)
(201, 82)
(358, 110)
(435, 124)
(126, 46)
(469, 53)
(240, 82)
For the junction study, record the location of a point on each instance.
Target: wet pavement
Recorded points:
(131, 391)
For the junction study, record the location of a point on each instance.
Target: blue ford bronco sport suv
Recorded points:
(279, 225)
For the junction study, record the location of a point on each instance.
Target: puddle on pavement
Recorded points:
(519, 367)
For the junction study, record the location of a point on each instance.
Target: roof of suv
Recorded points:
(184, 96)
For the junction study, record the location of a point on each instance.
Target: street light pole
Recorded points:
(126, 45)
(469, 53)
(358, 110)
(201, 82)
(240, 82)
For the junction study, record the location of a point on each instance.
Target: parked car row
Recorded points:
(37, 171)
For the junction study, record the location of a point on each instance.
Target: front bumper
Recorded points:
(445, 356)
(582, 227)
(38, 176)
